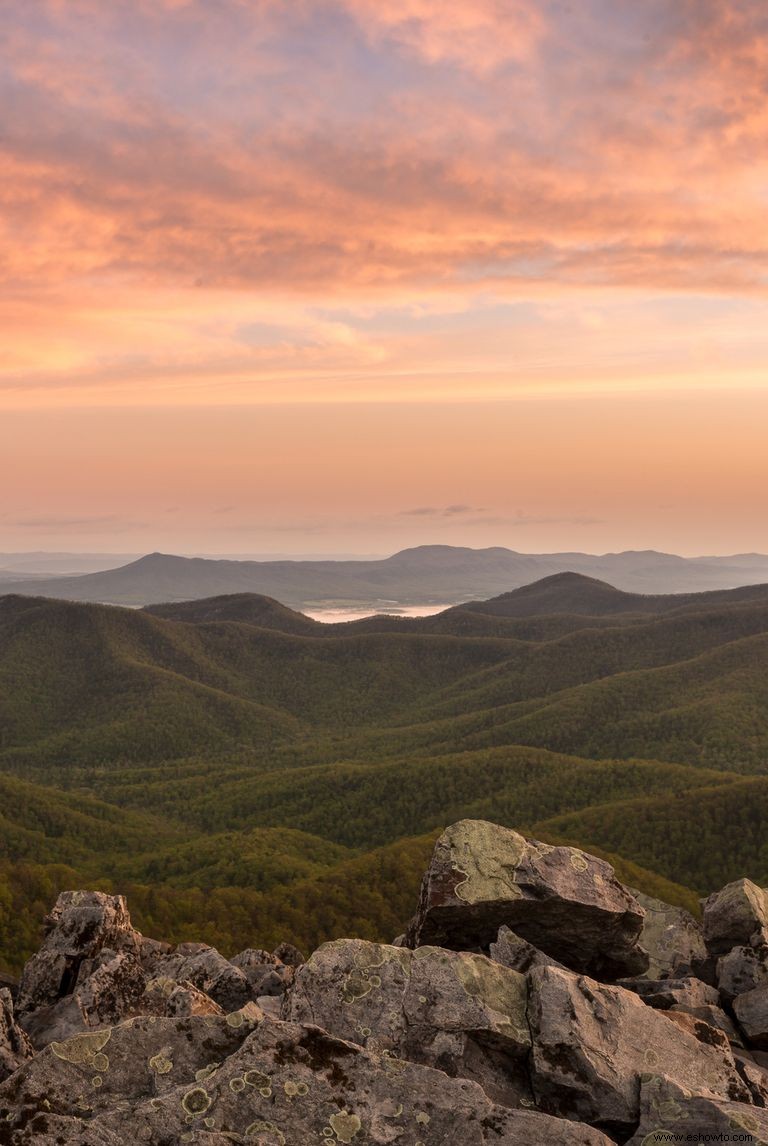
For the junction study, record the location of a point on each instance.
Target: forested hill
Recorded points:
(233, 761)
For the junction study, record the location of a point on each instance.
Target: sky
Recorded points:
(349, 276)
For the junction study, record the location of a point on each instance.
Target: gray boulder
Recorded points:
(457, 1011)
(751, 1010)
(736, 916)
(112, 991)
(207, 970)
(741, 970)
(567, 904)
(671, 1113)
(673, 939)
(592, 1044)
(265, 972)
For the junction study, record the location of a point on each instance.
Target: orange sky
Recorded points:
(353, 276)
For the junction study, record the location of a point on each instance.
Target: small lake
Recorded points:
(334, 616)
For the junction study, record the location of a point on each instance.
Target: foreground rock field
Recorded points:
(532, 999)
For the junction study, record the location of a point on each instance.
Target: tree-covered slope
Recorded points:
(250, 775)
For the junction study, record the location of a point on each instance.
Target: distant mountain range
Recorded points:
(436, 574)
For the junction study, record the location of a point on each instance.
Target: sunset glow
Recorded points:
(356, 275)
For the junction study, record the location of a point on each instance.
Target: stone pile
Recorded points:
(533, 999)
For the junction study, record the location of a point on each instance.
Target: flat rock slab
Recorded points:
(592, 1044)
(566, 903)
(457, 1011)
(294, 1085)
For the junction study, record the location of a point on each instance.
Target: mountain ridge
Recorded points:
(420, 575)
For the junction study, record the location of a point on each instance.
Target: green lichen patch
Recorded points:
(196, 1101)
(486, 856)
(345, 1126)
(81, 1050)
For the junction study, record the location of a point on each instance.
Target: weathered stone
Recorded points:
(741, 970)
(673, 939)
(186, 999)
(265, 973)
(566, 903)
(592, 1043)
(291, 1085)
(81, 924)
(457, 1011)
(289, 955)
(114, 1068)
(754, 1075)
(736, 916)
(669, 1113)
(688, 995)
(15, 1047)
(512, 951)
(704, 1032)
(665, 994)
(209, 971)
(751, 1010)
(113, 991)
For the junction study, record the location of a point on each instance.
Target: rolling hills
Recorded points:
(232, 761)
(440, 574)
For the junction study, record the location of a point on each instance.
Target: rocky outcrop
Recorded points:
(566, 903)
(519, 1009)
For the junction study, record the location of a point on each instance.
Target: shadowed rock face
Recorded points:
(568, 904)
(426, 1044)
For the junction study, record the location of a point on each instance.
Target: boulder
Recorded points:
(15, 1047)
(593, 1043)
(670, 1113)
(80, 926)
(673, 939)
(751, 1010)
(741, 970)
(735, 916)
(289, 955)
(111, 992)
(679, 994)
(207, 970)
(266, 974)
(567, 904)
(754, 1075)
(457, 1011)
